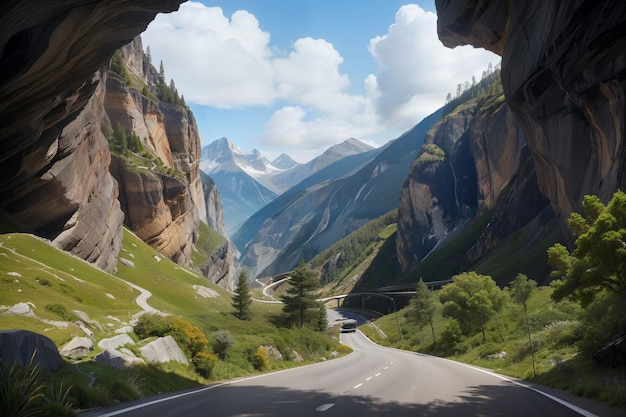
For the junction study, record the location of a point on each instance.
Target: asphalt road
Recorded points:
(373, 381)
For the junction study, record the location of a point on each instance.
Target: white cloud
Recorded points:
(213, 60)
(229, 63)
(415, 71)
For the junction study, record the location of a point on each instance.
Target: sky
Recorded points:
(296, 77)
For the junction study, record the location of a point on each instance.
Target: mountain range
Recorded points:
(505, 167)
(248, 181)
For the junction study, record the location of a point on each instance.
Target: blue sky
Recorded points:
(300, 76)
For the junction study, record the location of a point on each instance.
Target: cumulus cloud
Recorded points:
(215, 61)
(229, 63)
(415, 71)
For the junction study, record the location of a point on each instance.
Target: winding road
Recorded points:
(372, 381)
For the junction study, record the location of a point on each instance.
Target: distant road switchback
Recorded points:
(374, 381)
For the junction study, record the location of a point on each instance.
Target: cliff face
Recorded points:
(162, 198)
(214, 209)
(54, 159)
(563, 66)
(162, 191)
(468, 160)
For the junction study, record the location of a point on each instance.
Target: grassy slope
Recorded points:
(33, 271)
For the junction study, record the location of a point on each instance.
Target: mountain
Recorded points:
(287, 179)
(248, 180)
(239, 177)
(328, 205)
(531, 152)
(284, 161)
(101, 148)
(474, 172)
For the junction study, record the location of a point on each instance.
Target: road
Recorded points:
(372, 381)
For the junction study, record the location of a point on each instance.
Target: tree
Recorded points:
(522, 289)
(423, 305)
(471, 299)
(598, 263)
(300, 304)
(242, 298)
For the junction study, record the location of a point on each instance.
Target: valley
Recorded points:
(121, 234)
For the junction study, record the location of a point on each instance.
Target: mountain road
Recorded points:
(372, 381)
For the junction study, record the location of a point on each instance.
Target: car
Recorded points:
(348, 326)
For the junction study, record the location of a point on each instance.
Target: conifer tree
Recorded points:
(242, 298)
(300, 301)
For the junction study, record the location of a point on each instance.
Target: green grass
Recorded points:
(57, 283)
(33, 271)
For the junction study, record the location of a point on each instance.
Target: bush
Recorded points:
(61, 311)
(451, 336)
(188, 336)
(223, 342)
(57, 402)
(204, 363)
(151, 325)
(261, 360)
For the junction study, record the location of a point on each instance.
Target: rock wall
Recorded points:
(214, 209)
(474, 160)
(563, 73)
(54, 179)
(164, 204)
(161, 206)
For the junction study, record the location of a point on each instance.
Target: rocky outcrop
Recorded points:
(474, 161)
(219, 267)
(19, 346)
(563, 66)
(214, 209)
(53, 156)
(161, 196)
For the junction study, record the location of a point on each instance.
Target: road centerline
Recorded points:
(324, 407)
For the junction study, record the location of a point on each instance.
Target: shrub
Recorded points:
(261, 360)
(451, 336)
(151, 325)
(57, 402)
(187, 335)
(204, 363)
(44, 281)
(61, 311)
(223, 342)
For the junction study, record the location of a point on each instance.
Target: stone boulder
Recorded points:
(164, 349)
(77, 347)
(118, 359)
(115, 341)
(20, 345)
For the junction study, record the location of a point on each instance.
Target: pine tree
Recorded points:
(300, 304)
(242, 298)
